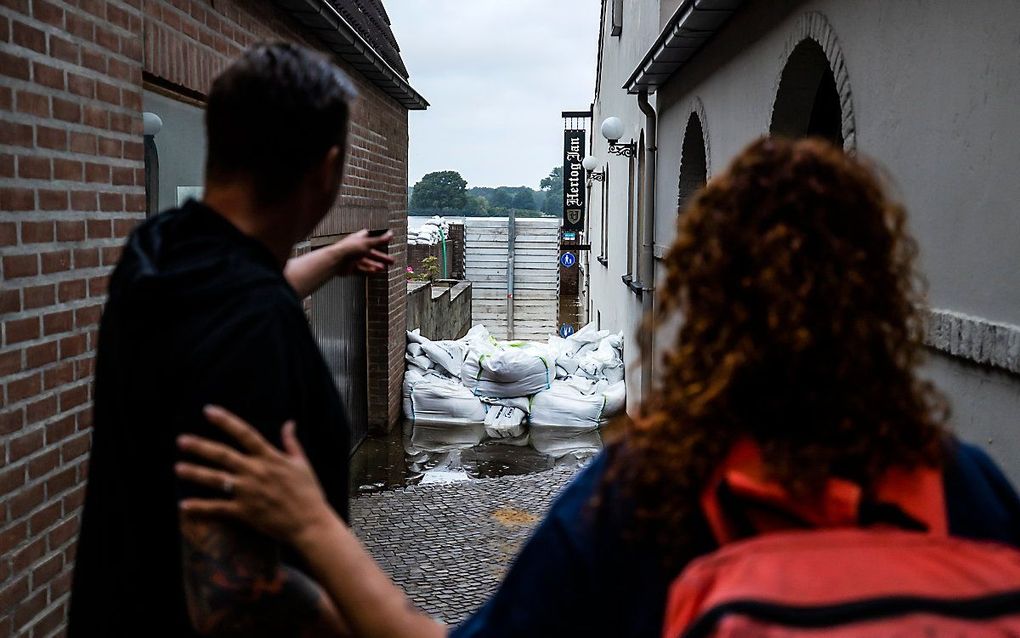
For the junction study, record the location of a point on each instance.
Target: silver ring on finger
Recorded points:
(228, 486)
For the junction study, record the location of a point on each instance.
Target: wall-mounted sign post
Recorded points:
(575, 191)
(573, 179)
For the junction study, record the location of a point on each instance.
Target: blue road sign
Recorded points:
(568, 260)
(566, 330)
(569, 235)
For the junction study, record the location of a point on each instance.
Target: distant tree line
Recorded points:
(447, 193)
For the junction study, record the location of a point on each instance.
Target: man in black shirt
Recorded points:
(205, 308)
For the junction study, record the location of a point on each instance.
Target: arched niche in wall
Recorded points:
(693, 161)
(813, 95)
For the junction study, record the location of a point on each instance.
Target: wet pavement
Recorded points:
(448, 545)
(445, 520)
(407, 458)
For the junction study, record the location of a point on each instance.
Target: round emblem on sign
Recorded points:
(567, 260)
(566, 330)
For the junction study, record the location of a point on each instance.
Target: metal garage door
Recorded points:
(338, 321)
(535, 275)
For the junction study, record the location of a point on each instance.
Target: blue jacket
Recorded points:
(576, 576)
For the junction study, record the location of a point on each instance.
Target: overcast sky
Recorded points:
(497, 74)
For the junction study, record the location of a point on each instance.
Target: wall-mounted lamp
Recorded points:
(151, 124)
(589, 163)
(612, 130)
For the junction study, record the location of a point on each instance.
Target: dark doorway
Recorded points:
(693, 162)
(808, 102)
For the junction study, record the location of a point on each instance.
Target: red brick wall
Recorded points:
(71, 189)
(71, 174)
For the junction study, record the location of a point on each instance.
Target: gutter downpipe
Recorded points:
(646, 265)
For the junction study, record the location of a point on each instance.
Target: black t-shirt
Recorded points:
(198, 313)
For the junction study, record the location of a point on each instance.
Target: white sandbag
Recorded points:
(514, 372)
(615, 400)
(412, 376)
(613, 371)
(448, 355)
(420, 361)
(566, 418)
(585, 339)
(416, 368)
(476, 332)
(504, 422)
(478, 340)
(578, 402)
(586, 386)
(563, 404)
(604, 362)
(521, 403)
(616, 342)
(568, 364)
(445, 355)
(442, 401)
(587, 334)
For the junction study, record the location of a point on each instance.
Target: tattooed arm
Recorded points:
(237, 586)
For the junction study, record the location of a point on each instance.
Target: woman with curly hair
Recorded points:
(793, 275)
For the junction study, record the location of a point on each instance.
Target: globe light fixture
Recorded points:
(589, 163)
(151, 124)
(612, 130)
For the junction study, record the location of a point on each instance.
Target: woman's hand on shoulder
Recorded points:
(273, 490)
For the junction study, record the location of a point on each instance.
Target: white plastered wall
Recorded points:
(934, 89)
(620, 309)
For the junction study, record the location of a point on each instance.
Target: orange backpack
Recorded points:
(842, 566)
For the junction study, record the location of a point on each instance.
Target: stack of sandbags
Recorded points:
(555, 395)
(567, 416)
(444, 413)
(447, 356)
(592, 354)
(431, 232)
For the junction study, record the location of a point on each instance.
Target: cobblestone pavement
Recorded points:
(448, 545)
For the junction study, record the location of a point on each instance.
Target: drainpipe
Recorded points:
(646, 264)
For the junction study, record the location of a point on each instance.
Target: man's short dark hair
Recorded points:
(273, 114)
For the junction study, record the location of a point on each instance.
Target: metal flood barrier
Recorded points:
(339, 324)
(515, 284)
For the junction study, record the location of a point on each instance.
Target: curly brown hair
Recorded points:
(794, 276)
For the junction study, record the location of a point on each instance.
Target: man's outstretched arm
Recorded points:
(236, 585)
(357, 252)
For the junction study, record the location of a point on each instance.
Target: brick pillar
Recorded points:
(387, 294)
(456, 247)
(71, 189)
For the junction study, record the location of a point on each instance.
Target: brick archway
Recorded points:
(813, 84)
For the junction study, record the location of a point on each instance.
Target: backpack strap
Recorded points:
(741, 501)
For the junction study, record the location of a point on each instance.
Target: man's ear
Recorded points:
(333, 167)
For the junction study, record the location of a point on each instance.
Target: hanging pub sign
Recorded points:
(573, 179)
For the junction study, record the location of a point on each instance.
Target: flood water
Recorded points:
(400, 459)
